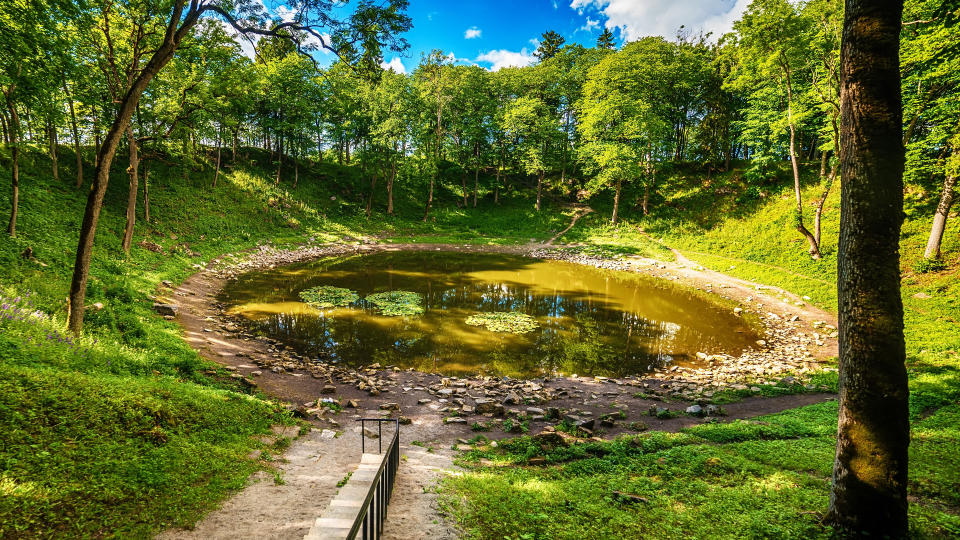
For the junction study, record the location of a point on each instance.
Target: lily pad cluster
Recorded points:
(327, 296)
(394, 303)
(504, 321)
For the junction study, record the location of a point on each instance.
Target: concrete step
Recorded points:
(336, 520)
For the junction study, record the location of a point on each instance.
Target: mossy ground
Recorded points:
(127, 430)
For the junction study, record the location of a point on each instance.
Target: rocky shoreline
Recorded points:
(791, 349)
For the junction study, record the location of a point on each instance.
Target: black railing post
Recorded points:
(369, 523)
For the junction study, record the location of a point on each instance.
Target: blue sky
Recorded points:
(499, 33)
(496, 33)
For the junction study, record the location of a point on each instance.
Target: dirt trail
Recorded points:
(580, 212)
(413, 512)
(310, 470)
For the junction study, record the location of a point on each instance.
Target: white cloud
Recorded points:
(639, 18)
(502, 58)
(395, 64)
(590, 25)
(555, 6)
(535, 42)
(472, 33)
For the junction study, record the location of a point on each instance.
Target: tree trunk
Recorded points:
(52, 140)
(830, 179)
(616, 203)
(96, 140)
(496, 188)
(146, 193)
(476, 184)
(869, 494)
(393, 177)
(463, 186)
(940, 218)
(216, 173)
(76, 136)
(15, 166)
(91, 214)
(539, 188)
(426, 211)
(373, 191)
(646, 200)
(814, 247)
(132, 195)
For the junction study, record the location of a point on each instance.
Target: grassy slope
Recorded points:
(126, 430)
(743, 479)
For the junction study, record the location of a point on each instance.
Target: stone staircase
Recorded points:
(336, 520)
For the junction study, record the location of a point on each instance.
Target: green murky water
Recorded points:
(591, 321)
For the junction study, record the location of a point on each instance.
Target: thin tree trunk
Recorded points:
(476, 184)
(940, 218)
(646, 200)
(52, 140)
(146, 193)
(76, 135)
(463, 186)
(91, 215)
(393, 177)
(496, 188)
(15, 166)
(216, 173)
(539, 188)
(426, 211)
(814, 246)
(132, 171)
(869, 493)
(818, 213)
(616, 203)
(373, 191)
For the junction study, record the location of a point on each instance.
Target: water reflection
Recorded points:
(591, 321)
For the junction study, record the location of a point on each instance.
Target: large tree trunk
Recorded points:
(616, 203)
(15, 166)
(132, 171)
(869, 494)
(76, 135)
(91, 214)
(940, 218)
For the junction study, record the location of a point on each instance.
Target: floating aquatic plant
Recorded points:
(327, 296)
(504, 321)
(395, 303)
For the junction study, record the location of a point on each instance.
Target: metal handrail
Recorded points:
(374, 508)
